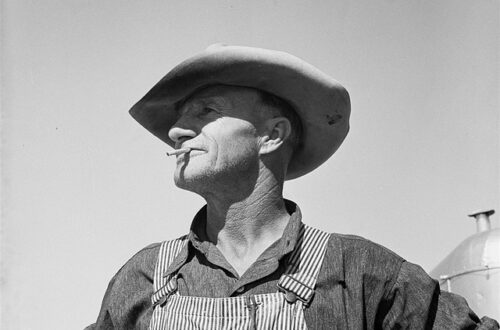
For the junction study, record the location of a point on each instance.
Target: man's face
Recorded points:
(220, 124)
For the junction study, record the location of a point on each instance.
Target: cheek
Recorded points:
(239, 150)
(230, 141)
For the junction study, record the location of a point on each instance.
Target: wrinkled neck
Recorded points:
(260, 216)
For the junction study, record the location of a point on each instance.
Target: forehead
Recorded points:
(224, 97)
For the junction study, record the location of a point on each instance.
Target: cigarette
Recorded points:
(178, 151)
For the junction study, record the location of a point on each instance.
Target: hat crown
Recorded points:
(322, 103)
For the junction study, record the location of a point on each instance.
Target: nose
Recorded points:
(178, 133)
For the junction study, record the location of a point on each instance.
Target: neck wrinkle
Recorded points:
(258, 219)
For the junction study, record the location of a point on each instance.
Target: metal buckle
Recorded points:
(291, 297)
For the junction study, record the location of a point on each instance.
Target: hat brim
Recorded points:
(321, 102)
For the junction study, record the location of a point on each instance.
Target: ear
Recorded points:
(277, 131)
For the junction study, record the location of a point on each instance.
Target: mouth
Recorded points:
(192, 152)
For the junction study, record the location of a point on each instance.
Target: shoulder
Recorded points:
(136, 273)
(357, 272)
(362, 250)
(142, 263)
(127, 298)
(127, 301)
(139, 270)
(357, 258)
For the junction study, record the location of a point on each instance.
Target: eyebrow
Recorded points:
(217, 101)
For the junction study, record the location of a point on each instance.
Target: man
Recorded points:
(243, 121)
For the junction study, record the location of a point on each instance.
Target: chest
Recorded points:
(207, 298)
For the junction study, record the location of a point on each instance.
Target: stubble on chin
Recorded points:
(198, 183)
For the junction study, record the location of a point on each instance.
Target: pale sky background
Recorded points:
(84, 186)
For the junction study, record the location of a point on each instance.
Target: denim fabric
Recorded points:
(361, 285)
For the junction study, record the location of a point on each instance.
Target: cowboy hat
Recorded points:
(321, 103)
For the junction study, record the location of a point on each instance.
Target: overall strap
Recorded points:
(164, 285)
(304, 263)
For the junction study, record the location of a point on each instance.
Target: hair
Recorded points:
(286, 110)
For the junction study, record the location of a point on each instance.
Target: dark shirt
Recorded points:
(361, 285)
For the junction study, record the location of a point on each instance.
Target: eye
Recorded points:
(206, 111)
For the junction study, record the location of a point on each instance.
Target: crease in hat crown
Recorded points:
(322, 103)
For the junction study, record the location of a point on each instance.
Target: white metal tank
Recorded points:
(472, 269)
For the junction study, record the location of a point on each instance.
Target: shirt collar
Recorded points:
(198, 239)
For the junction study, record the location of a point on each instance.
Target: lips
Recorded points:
(181, 145)
(192, 153)
(194, 149)
(196, 152)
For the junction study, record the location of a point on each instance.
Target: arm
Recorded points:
(416, 302)
(127, 301)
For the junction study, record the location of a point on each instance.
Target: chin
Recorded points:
(195, 182)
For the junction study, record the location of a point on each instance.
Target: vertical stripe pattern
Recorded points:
(264, 311)
(164, 286)
(304, 263)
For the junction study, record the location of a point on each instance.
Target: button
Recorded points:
(241, 289)
(290, 297)
(163, 300)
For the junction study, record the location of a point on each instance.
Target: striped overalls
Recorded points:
(282, 309)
